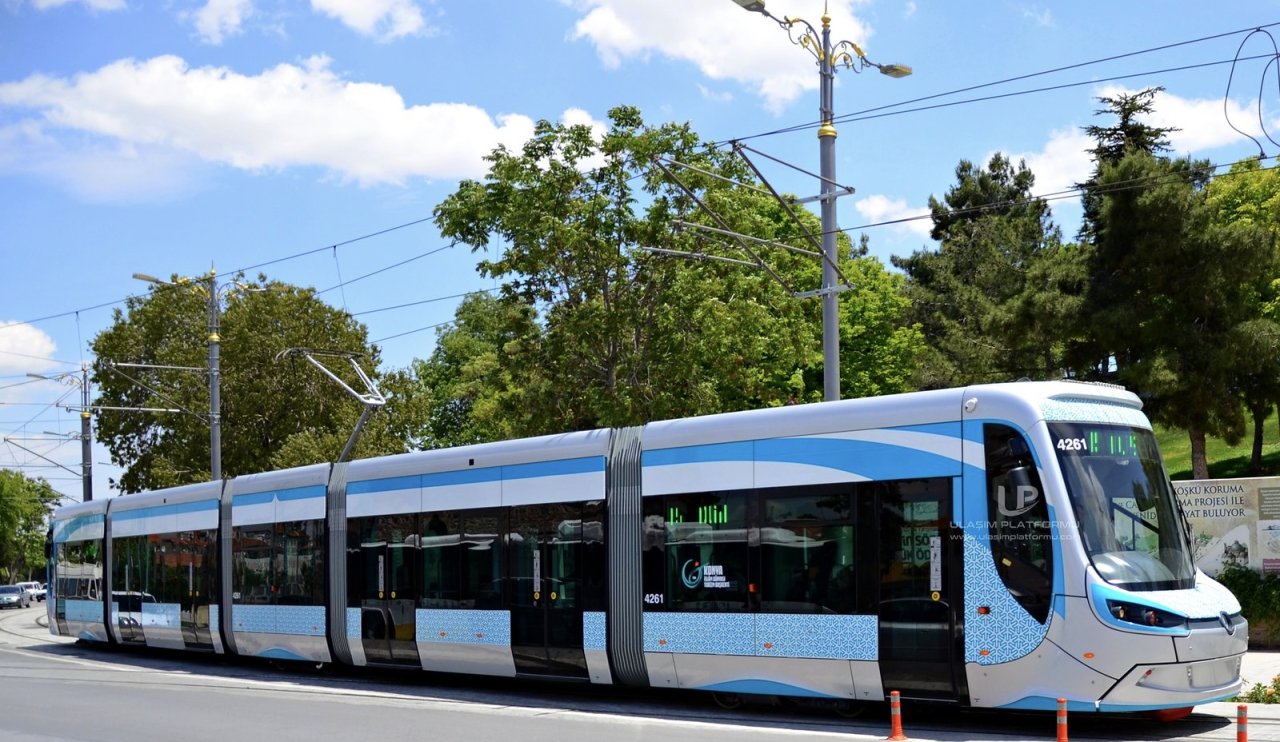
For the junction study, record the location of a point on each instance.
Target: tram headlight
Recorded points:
(1145, 615)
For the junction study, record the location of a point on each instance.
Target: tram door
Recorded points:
(921, 590)
(544, 589)
(387, 559)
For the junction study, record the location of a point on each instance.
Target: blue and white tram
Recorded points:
(995, 546)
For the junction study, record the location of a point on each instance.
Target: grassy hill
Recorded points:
(1224, 461)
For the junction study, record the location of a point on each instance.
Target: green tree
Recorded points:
(25, 506)
(986, 303)
(1173, 289)
(1128, 134)
(265, 401)
(1249, 197)
(594, 329)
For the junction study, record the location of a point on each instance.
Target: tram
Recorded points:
(996, 546)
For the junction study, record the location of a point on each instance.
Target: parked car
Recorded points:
(12, 596)
(36, 589)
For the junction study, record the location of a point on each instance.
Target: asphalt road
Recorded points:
(56, 689)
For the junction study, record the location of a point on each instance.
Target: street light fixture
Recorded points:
(86, 435)
(215, 370)
(829, 55)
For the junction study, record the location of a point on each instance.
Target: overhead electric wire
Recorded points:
(387, 268)
(1069, 193)
(957, 91)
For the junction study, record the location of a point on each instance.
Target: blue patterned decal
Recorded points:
(593, 630)
(809, 635)
(700, 633)
(302, 620)
(1007, 632)
(305, 620)
(167, 615)
(821, 636)
(452, 626)
(353, 623)
(1073, 409)
(84, 611)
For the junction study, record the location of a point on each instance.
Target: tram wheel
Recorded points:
(728, 701)
(850, 709)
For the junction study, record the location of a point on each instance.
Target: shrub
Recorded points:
(1262, 693)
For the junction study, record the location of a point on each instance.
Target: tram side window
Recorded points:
(251, 551)
(299, 562)
(1018, 518)
(706, 552)
(653, 554)
(593, 556)
(168, 569)
(79, 569)
(130, 565)
(442, 549)
(807, 551)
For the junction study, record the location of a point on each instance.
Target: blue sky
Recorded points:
(178, 136)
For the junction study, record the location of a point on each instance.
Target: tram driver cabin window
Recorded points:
(1018, 519)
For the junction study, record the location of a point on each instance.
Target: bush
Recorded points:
(1259, 597)
(1262, 693)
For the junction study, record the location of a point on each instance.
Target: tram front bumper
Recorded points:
(1175, 685)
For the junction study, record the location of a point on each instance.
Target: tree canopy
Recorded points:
(265, 401)
(592, 328)
(985, 298)
(25, 505)
(1172, 289)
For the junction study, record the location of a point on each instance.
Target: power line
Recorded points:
(245, 269)
(862, 115)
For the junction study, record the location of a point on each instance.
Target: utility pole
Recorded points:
(829, 56)
(86, 432)
(215, 361)
(86, 436)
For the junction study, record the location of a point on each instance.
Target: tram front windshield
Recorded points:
(1129, 520)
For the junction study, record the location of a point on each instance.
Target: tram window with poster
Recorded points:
(703, 540)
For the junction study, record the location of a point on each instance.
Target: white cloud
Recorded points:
(219, 19)
(91, 4)
(1063, 162)
(721, 39)
(878, 209)
(1202, 123)
(287, 116)
(25, 349)
(383, 19)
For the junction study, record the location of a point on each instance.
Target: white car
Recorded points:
(35, 589)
